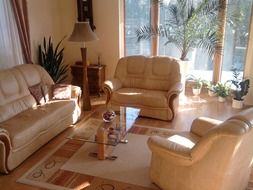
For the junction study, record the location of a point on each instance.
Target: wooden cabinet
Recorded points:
(96, 77)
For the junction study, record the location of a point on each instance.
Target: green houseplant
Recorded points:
(222, 90)
(188, 25)
(52, 60)
(197, 84)
(241, 89)
(211, 88)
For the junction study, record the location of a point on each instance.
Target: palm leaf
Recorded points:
(52, 60)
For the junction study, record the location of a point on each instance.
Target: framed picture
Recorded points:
(85, 12)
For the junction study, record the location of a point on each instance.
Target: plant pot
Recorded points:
(184, 70)
(221, 99)
(196, 91)
(237, 104)
(211, 93)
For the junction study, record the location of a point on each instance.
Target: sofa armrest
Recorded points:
(76, 93)
(5, 147)
(110, 86)
(202, 125)
(177, 88)
(172, 97)
(169, 150)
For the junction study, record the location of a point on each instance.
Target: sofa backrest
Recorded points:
(156, 73)
(15, 96)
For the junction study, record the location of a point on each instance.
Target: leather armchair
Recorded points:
(149, 83)
(213, 155)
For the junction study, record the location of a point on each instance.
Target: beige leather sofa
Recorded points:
(24, 126)
(149, 83)
(214, 155)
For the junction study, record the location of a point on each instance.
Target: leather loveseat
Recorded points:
(149, 83)
(24, 125)
(213, 155)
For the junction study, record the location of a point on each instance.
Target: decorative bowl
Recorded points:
(108, 116)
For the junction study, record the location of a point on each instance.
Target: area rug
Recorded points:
(70, 167)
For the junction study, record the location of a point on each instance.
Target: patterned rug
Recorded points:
(50, 172)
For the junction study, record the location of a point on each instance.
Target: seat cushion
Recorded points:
(140, 97)
(28, 125)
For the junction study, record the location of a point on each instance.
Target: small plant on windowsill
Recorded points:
(222, 90)
(197, 84)
(211, 89)
(241, 89)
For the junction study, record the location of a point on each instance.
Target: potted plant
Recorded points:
(241, 89)
(51, 59)
(211, 89)
(222, 90)
(197, 84)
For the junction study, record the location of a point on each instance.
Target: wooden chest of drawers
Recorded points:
(96, 77)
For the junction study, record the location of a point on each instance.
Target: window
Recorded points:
(10, 48)
(236, 37)
(139, 13)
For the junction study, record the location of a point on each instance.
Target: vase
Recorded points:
(196, 91)
(237, 104)
(221, 99)
(184, 70)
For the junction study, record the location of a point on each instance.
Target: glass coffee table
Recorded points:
(111, 133)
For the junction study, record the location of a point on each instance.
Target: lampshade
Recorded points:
(82, 33)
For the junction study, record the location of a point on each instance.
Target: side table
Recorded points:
(96, 76)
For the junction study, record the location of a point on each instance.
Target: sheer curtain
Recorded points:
(10, 48)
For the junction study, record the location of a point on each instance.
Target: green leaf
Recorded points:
(52, 60)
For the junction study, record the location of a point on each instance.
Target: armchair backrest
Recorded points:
(226, 151)
(156, 73)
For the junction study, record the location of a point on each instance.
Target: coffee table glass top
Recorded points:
(108, 133)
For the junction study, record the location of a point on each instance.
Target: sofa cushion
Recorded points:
(154, 73)
(28, 125)
(140, 97)
(61, 91)
(37, 93)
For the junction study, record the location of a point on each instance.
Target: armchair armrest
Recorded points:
(172, 151)
(110, 86)
(201, 125)
(5, 147)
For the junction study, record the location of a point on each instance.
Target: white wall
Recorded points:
(56, 18)
(44, 20)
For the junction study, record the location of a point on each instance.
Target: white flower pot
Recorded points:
(221, 99)
(196, 91)
(237, 104)
(211, 93)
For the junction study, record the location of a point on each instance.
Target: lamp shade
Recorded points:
(82, 33)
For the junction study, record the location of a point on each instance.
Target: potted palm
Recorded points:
(222, 90)
(188, 25)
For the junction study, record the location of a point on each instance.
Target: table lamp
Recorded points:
(83, 33)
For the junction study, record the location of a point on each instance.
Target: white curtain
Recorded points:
(10, 48)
